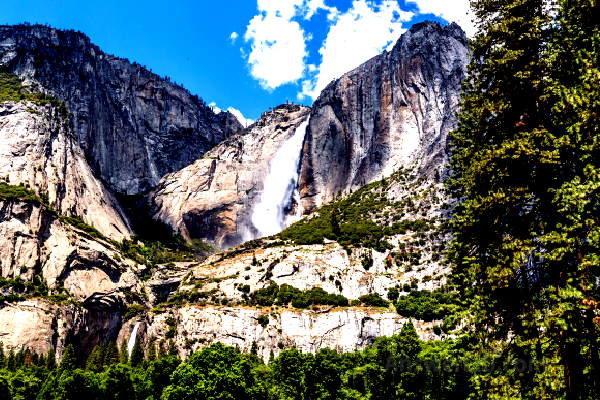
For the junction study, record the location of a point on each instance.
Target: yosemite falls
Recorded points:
(268, 216)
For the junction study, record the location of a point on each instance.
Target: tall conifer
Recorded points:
(523, 251)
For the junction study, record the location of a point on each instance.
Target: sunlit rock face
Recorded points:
(38, 150)
(395, 109)
(215, 197)
(133, 125)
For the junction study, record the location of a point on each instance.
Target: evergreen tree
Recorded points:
(124, 354)
(94, 363)
(11, 364)
(162, 353)
(112, 354)
(151, 351)
(271, 357)
(335, 226)
(51, 360)
(2, 356)
(68, 361)
(137, 354)
(517, 170)
(254, 348)
(41, 360)
(172, 348)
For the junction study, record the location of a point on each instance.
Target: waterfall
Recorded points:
(269, 215)
(132, 339)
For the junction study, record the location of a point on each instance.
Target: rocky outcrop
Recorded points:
(38, 150)
(213, 198)
(394, 110)
(132, 124)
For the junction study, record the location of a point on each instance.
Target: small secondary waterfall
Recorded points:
(132, 339)
(269, 215)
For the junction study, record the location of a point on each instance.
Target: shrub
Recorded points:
(373, 300)
(133, 310)
(263, 320)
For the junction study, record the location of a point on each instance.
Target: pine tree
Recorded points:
(517, 171)
(271, 357)
(151, 350)
(94, 363)
(137, 354)
(112, 354)
(172, 348)
(254, 348)
(162, 353)
(68, 361)
(123, 353)
(2, 356)
(51, 360)
(11, 364)
(41, 362)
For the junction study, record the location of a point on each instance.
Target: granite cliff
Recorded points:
(393, 110)
(133, 125)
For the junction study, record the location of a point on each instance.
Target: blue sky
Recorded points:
(242, 55)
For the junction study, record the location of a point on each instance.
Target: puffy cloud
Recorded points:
(355, 36)
(233, 36)
(278, 43)
(238, 114)
(214, 107)
(244, 121)
(452, 11)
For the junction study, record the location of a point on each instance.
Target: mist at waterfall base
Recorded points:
(268, 216)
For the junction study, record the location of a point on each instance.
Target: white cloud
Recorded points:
(238, 114)
(233, 36)
(278, 43)
(244, 121)
(216, 109)
(357, 35)
(452, 11)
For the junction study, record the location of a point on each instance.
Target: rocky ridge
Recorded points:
(132, 124)
(394, 110)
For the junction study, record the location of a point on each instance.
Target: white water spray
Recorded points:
(269, 215)
(132, 339)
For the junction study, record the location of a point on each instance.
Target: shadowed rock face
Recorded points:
(133, 125)
(395, 109)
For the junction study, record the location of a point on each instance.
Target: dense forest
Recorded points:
(222, 372)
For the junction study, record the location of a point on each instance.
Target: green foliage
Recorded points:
(525, 172)
(263, 320)
(425, 305)
(78, 223)
(350, 222)
(284, 294)
(12, 89)
(373, 300)
(215, 372)
(137, 354)
(134, 310)
(12, 193)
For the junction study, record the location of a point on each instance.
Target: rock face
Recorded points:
(395, 109)
(213, 198)
(133, 125)
(38, 150)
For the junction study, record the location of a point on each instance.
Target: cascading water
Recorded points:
(132, 338)
(269, 215)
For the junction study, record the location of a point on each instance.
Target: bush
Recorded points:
(373, 300)
(263, 320)
(437, 330)
(393, 293)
